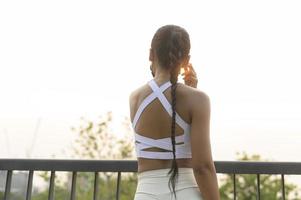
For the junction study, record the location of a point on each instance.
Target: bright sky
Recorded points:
(60, 60)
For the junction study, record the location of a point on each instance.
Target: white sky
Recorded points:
(60, 60)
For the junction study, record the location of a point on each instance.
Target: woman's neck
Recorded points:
(161, 75)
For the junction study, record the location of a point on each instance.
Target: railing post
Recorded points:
(73, 185)
(258, 186)
(283, 186)
(8, 184)
(234, 187)
(29, 185)
(95, 195)
(118, 185)
(51, 186)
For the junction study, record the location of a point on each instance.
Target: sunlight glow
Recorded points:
(60, 60)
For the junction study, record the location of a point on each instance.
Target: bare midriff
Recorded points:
(146, 164)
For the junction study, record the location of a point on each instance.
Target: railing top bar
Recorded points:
(258, 167)
(69, 165)
(239, 167)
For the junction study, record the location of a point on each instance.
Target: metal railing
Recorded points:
(119, 166)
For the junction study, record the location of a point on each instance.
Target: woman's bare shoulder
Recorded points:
(196, 99)
(136, 92)
(193, 93)
(134, 99)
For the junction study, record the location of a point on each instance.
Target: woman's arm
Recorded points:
(202, 162)
(132, 103)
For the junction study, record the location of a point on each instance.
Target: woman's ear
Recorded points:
(151, 55)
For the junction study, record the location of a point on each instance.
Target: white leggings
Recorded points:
(153, 185)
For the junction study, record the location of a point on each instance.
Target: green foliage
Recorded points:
(246, 184)
(107, 186)
(12, 195)
(61, 193)
(96, 140)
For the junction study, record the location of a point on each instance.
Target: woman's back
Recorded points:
(154, 121)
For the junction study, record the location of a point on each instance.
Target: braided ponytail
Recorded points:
(172, 44)
(174, 166)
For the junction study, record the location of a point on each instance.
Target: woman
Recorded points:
(171, 124)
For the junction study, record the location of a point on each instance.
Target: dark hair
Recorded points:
(171, 44)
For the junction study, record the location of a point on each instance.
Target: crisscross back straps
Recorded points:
(147, 101)
(158, 93)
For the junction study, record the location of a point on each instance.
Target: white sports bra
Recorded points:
(182, 150)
